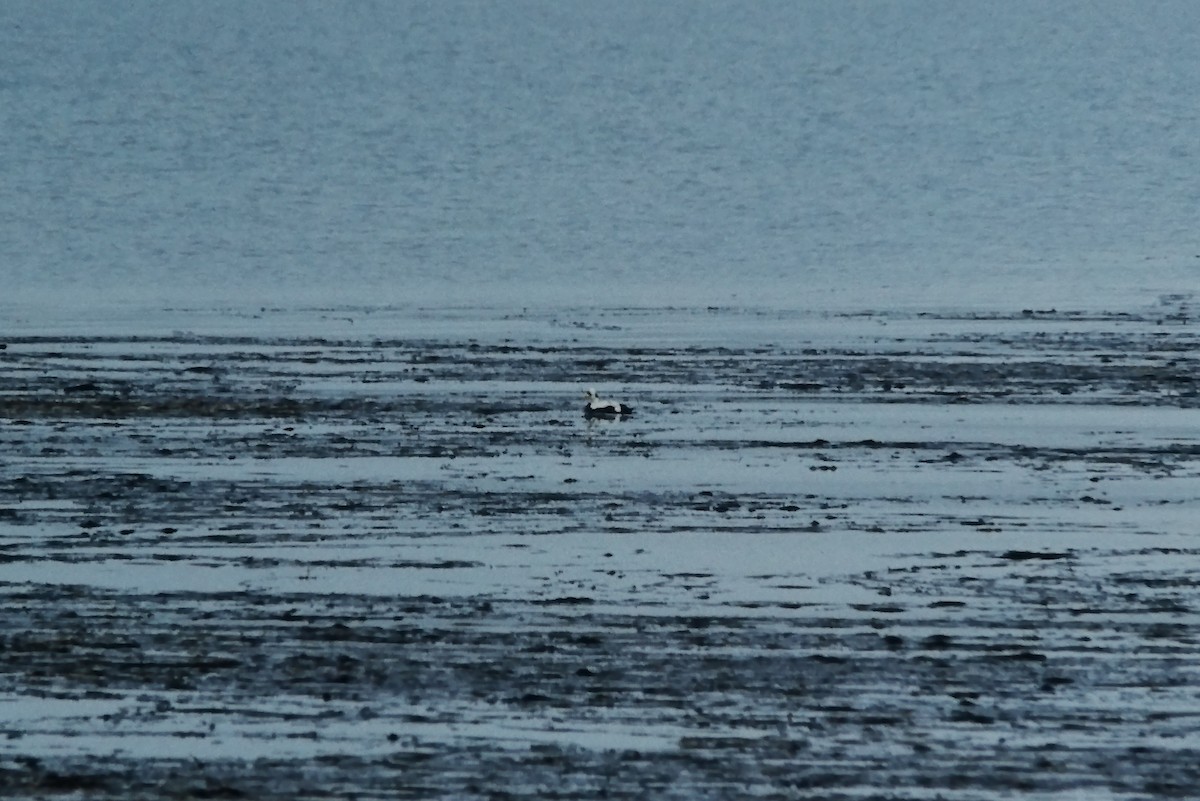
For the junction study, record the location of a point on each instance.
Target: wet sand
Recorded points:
(903, 556)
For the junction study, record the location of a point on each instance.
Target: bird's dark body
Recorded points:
(607, 411)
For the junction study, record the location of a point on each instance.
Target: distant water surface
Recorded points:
(588, 154)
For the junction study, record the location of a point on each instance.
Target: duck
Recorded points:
(599, 407)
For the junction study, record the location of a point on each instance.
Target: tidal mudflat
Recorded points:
(881, 555)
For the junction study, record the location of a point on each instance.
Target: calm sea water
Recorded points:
(585, 153)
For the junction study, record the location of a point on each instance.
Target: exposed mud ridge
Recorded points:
(941, 558)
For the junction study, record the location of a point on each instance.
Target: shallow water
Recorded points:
(900, 555)
(299, 301)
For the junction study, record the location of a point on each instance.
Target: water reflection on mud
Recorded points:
(944, 556)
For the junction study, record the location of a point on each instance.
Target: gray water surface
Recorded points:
(580, 154)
